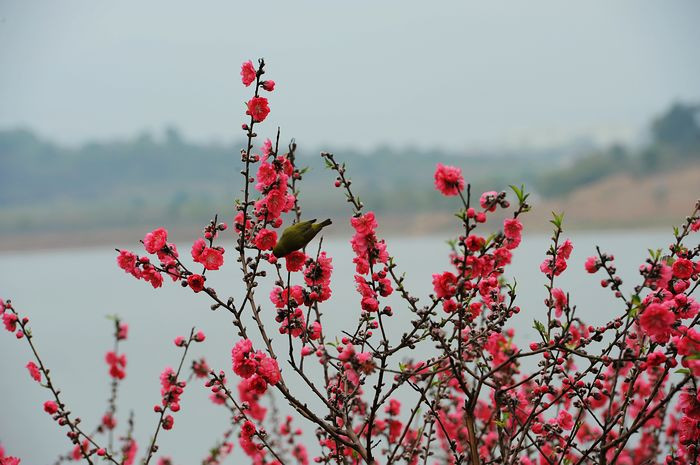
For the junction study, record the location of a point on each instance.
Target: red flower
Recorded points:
(487, 201)
(10, 321)
(248, 73)
(365, 224)
(123, 331)
(683, 268)
(393, 408)
(34, 371)
(196, 282)
(265, 239)
(656, 322)
(168, 422)
(444, 284)
(50, 407)
(565, 420)
(295, 260)
(155, 240)
(127, 261)
(268, 85)
(448, 179)
(560, 301)
(211, 258)
(512, 228)
(591, 264)
(248, 429)
(258, 109)
(269, 370)
(197, 248)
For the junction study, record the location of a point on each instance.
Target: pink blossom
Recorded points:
(689, 403)
(591, 264)
(151, 275)
(34, 371)
(243, 365)
(50, 407)
(108, 421)
(565, 249)
(656, 358)
(127, 262)
(364, 224)
(258, 108)
(448, 179)
(275, 202)
(266, 176)
(656, 322)
(123, 331)
(155, 240)
(512, 228)
(394, 407)
(248, 73)
(212, 258)
(197, 248)
(683, 268)
(294, 261)
(449, 305)
(266, 147)
(560, 301)
(196, 282)
(488, 201)
(130, 455)
(444, 284)
(268, 85)
(565, 420)
(319, 271)
(168, 422)
(10, 321)
(369, 304)
(269, 370)
(306, 351)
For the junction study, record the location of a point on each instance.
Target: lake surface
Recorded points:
(67, 294)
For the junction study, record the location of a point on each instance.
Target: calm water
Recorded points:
(68, 293)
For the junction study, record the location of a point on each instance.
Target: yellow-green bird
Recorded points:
(297, 236)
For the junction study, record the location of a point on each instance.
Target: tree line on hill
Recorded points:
(147, 180)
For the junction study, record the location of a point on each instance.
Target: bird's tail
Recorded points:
(323, 224)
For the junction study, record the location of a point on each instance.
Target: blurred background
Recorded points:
(118, 117)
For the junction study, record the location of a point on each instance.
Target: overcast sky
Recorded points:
(447, 74)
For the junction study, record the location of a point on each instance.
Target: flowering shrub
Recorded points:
(623, 392)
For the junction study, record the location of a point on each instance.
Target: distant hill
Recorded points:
(102, 187)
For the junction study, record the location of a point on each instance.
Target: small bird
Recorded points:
(297, 236)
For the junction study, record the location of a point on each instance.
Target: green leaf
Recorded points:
(540, 329)
(518, 192)
(503, 420)
(453, 244)
(683, 371)
(557, 220)
(489, 239)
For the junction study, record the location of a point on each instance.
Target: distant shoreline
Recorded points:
(419, 225)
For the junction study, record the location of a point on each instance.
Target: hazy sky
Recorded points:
(448, 74)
